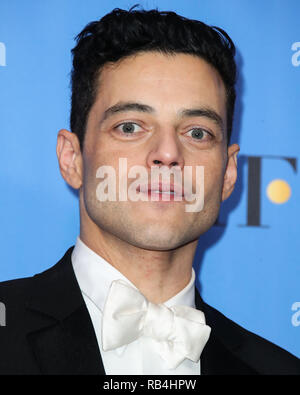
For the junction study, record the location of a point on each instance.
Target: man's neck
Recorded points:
(159, 275)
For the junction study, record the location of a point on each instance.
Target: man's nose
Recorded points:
(165, 150)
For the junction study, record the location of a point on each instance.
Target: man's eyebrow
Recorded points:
(203, 112)
(126, 106)
(145, 108)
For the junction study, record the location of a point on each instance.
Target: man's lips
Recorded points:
(161, 189)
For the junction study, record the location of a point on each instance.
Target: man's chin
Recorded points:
(157, 245)
(157, 238)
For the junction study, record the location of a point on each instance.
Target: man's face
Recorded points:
(160, 132)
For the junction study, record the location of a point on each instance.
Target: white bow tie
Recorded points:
(180, 330)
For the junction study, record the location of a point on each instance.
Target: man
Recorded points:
(150, 91)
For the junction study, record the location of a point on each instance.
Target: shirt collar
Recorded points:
(95, 275)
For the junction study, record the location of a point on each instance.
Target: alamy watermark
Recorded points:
(166, 184)
(296, 316)
(296, 55)
(2, 54)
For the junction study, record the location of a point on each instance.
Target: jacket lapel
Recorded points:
(221, 355)
(59, 328)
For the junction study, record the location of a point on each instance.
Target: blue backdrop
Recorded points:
(248, 263)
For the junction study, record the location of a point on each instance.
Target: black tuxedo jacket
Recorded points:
(49, 331)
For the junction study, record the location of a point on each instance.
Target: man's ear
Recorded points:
(231, 171)
(69, 158)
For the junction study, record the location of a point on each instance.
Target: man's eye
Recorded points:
(128, 127)
(198, 133)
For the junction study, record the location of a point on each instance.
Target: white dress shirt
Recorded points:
(95, 275)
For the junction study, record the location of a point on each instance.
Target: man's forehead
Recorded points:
(161, 67)
(158, 76)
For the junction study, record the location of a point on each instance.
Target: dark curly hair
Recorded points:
(122, 33)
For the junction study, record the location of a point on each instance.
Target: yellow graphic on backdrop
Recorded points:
(278, 191)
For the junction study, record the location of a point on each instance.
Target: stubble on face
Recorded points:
(167, 84)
